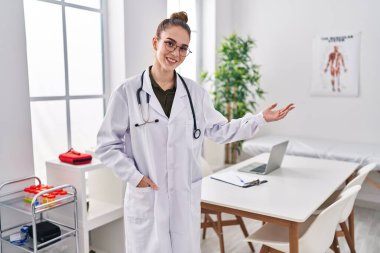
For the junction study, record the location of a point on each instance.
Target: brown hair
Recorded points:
(176, 19)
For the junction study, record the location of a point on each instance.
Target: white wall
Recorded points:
(216, 23)
(284, 31)
(114, 44)
(131, 27)
(16, 154)
(223, 20)
(208, 35)
(141, 20)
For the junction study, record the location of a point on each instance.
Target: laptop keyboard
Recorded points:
(260, 169)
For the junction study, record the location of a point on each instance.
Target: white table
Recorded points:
(290, 197)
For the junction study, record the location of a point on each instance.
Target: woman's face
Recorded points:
(172, 47)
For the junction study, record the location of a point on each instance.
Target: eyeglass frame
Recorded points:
(175, 47)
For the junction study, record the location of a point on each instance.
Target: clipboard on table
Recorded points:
(236, 178)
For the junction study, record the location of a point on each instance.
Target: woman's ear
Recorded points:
(155, 42)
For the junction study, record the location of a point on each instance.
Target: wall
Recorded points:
(16, 154)
(141, 20)
(284, 31)
(114, 44)
(223, 20)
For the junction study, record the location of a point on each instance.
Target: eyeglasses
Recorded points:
(171, 46)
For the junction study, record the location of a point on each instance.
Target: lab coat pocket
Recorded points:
(139, 220)
(140, 202)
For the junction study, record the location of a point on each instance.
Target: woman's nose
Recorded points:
(175, 52)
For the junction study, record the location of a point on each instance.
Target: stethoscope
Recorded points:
(196, 131)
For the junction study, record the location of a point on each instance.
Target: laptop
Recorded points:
(275, 159)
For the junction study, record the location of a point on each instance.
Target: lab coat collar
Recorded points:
(180, 88)
(178, 103)
(154, 103)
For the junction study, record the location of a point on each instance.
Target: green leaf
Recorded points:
(203, 75)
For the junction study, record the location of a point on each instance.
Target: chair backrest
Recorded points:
(319, 236)
(361, 175)
(358, 180)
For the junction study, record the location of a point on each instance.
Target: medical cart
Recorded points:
(12, 200)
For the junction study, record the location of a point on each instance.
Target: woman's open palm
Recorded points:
(273, 115)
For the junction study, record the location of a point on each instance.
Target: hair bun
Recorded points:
(179, 15)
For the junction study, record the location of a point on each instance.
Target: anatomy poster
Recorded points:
(336, 65)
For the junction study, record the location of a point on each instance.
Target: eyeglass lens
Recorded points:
(171, 46)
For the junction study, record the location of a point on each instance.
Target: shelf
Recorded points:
(57, 164)
(28, 246)
(101, 212)
(18, 204)
(96, 183)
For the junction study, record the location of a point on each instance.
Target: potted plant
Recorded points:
(236, 82)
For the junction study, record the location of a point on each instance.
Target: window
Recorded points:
(66, 75)
(190, 67)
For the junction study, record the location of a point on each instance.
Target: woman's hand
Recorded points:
(146, 182)
(274, 115)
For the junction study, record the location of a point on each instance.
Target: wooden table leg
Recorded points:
(204, 229)
(351, 227)
(293, 237)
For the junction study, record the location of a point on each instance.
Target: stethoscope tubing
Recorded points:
(196, 131)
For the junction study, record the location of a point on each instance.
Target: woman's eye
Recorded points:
(170, 44)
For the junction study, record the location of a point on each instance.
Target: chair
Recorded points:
(357, 180)
(315, 235)
(348, 232)
(219, 223)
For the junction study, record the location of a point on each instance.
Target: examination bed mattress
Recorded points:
(363, 153)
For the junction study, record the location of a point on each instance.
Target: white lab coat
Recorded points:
(167, 220)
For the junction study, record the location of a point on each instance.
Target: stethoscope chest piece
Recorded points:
(196, 133)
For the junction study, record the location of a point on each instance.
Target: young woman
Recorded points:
(152, 137)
